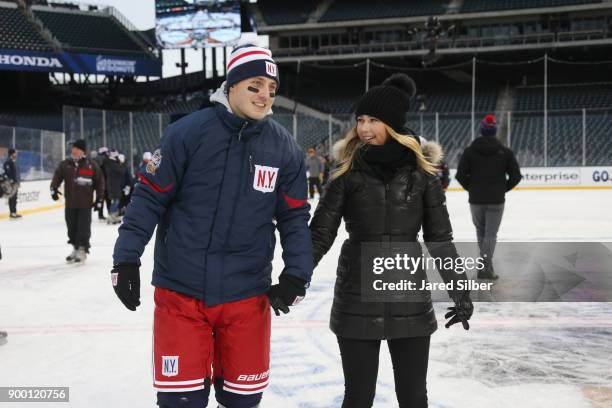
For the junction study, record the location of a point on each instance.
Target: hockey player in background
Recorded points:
(81, 177)
(487, 170)
(213, 188)
(385, 189)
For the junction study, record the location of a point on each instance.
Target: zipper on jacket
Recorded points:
(250, 162)
(244, 125)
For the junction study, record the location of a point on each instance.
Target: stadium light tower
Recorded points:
(433, 31)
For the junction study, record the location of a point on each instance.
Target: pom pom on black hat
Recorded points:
(402, 82)
(388, 102)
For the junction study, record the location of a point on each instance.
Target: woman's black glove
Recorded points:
(461, 312)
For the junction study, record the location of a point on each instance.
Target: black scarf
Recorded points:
(386, 159)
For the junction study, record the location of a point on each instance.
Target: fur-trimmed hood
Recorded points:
(433, 152)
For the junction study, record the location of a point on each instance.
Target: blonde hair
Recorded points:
(352, 143)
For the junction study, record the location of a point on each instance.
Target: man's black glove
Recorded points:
(55, 194)
(288, 292)
(98, 205)
(126, 282)
(461, 312)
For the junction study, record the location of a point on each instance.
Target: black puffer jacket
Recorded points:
(114, 173)
(487, 170)
(378, 210)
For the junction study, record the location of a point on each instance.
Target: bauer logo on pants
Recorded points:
(170, 366)
(265, 178)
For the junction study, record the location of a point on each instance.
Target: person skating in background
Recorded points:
(315, 169)
(81, 177)
(3, 337)
(487, 170)
(11, 170)
(385, 190)
(213, 189)
(100, 159)
(126, 186)
(114, 172)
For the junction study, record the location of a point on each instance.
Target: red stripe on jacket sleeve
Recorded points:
(292, 202)
(154, 186)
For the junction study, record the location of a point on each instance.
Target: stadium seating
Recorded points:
(471, 6)
(342, 10)
(340, 99)
(96, 32)
(16, 32)
(574, 96)
(277, 12)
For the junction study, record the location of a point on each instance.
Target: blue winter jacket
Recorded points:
(216, 189)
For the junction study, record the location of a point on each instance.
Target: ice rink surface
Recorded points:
(67, 328)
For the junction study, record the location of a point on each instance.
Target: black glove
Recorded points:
(288, 292)
(55, 194)
(126, 282)
(461, 312)
(98, 205)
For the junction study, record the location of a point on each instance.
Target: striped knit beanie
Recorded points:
(249, 60)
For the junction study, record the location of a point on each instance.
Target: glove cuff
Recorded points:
(122, 267)
(299, 284)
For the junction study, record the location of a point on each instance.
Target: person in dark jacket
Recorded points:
(12, 173)
(220, 183)
(113, 174)
(127, 185)
(385, 190)
(487, 170)
(81, 177)
(100, 158)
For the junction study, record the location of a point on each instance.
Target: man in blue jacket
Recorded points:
(220, 183)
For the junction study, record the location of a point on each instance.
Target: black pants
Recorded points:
(78, 222)
(12, 203)
(108, 204)
(312, 183)
(360, 365)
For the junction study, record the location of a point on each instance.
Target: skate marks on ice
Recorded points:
(568, 354)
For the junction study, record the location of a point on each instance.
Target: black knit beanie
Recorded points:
(80, 144)
(388, 102)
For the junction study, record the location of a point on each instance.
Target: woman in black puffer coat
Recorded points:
(386, 190)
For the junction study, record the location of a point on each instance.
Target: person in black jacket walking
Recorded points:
(385, 190)
(487, 170)
(12, 173)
